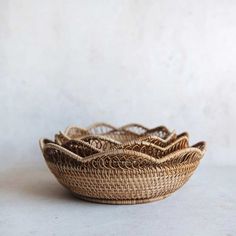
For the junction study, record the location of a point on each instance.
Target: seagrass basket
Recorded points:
(126, 165)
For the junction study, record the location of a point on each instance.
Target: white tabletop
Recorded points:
(33, 203)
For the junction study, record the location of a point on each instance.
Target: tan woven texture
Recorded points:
(127, 165)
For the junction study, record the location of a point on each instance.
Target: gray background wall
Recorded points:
(153, 62)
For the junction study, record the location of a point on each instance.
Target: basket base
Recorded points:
(119, 202)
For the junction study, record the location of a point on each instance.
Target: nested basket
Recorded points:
(126, 165)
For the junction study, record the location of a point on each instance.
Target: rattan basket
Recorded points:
(126, 165)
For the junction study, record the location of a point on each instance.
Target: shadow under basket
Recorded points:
(121, 176)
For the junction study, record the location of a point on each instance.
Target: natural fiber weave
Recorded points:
(122, 134)
(98, 168)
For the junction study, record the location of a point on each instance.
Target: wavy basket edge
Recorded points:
(199, 148)
(128, 128)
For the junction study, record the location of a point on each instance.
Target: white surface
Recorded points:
(32, 203)
(153, 62)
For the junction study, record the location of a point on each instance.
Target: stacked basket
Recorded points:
(127, 165)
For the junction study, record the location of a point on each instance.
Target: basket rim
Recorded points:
(104, 137)
(199, 148)
(164, 141)
(121, 128)
(182, 136)
(140, 142)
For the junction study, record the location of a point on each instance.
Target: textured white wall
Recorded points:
(153, 62)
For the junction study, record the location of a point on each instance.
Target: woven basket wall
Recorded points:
(126, 165)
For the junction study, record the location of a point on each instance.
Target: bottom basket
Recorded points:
(121, 176)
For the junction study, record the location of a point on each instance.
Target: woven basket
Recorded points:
(123, 134)
(102, 165)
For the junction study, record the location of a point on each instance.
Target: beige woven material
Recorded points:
(122, 134)
(138, 165)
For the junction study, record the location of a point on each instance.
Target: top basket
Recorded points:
(126, 165)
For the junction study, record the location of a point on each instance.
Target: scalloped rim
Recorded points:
(139, 136)
(124, 128)
(194, 148)
(140, 142)
(182, 136)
